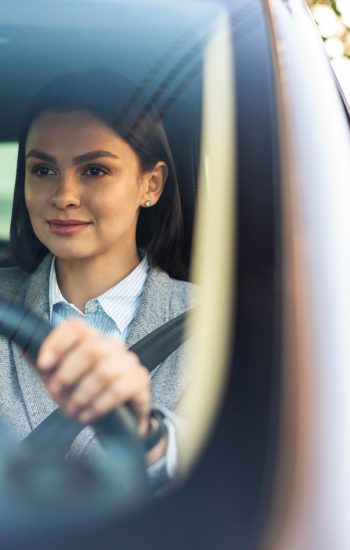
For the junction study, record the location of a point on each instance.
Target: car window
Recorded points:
(8, 157)
(180, 69)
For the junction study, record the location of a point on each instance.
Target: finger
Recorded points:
(60, 341)
(91, 385)
(79, 361)
(128, 389)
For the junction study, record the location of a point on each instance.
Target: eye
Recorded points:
(43, 171)
(95, 171)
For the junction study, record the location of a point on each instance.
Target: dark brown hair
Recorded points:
(133, 117)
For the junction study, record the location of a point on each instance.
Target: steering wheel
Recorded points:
(41, 488)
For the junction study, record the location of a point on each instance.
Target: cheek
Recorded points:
(34, 200)
(29, 198)
(37, 190)
(32, 206)
(121, 201)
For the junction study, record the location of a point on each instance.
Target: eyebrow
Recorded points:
(85, 157)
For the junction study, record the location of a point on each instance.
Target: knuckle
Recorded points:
(104, 373)
(63, 379)
(91, 348)
(77, 400)
(97, 409)
(96, 344)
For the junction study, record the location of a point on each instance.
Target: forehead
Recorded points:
(73, 130)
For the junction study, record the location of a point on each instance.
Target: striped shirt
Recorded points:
(112, 312)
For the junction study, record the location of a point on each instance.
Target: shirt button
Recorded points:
(92, 307)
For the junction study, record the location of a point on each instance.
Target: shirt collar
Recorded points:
(119, 302)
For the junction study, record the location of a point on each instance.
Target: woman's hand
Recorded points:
(89, 375)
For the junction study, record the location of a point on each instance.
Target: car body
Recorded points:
(261, 139)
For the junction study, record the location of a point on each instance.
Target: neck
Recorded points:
(84, 279)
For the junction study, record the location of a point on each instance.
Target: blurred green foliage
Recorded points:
(333, 19)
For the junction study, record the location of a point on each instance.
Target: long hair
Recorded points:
(132, 116)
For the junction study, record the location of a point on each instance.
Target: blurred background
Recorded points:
(333, 21)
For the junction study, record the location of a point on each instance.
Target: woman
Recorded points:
(96, 231)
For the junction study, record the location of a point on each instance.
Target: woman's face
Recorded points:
(83, 186)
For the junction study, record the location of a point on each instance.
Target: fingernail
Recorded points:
(47, 360)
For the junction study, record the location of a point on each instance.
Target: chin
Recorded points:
(69, 255)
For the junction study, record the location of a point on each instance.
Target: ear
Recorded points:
(153, 183)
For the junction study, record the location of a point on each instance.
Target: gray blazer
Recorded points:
(24, 401)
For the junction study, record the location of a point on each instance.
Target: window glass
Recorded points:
(8, 157)
(179, 56)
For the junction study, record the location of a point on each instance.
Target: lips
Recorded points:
(67, 227)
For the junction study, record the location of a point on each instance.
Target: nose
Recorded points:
(67, 193)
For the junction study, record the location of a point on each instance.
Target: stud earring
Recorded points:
(148, 203)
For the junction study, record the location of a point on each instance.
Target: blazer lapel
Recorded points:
(154, 308)
(36, 399)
